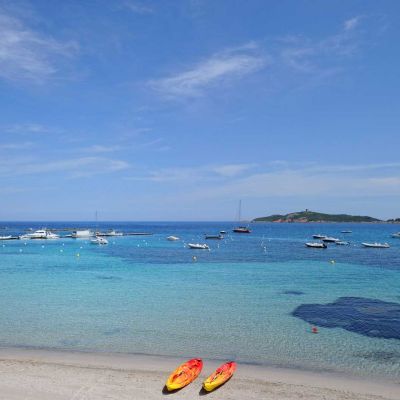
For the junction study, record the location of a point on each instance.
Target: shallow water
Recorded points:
(144, 294)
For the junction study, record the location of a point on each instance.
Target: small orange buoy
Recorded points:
(314, 329)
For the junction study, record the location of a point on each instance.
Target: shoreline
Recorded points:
(72, 375)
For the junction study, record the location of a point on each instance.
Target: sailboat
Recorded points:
(241, 229)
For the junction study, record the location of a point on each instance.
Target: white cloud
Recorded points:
(138, 7)
(231, 170)
(26, 54)
(351, 23)
(221, 67)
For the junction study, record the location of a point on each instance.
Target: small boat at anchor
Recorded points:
(99, 240)
(342, 243)
(173, 238)
(9, 237)
(198, 246)
(316, 245)
(347, 231)
(376, 245)
(329, 239)
(319, 236)
(215, 237)
(396, 235)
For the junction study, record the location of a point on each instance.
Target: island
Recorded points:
(312, 216)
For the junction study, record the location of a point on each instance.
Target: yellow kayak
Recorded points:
(219, 376)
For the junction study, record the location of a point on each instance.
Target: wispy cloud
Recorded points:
(195, 174)
(27, 128)
(26, 54)
(74, 168)
(16, 146)
(222, 67)
(286, 59)
(351, 23)
(278, 179)
(98, 148)
(138, 7)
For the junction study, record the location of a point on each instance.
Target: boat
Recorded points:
(9, 237)
(315, 245)
(216, 237)
(221, 375)
(186, 373)
(329, 239)
(241, 229)
(40, 234)
(342, 243)
(347, 231)
(111, 232)
(198, 246)
(376, 245)
(81, 234)
(319, 236)
(99, 240)
(173, 238)
(222, 232)
(396, 235)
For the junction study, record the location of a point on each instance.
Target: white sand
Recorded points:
(58, 375)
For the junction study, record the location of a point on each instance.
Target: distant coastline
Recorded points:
(312, 216)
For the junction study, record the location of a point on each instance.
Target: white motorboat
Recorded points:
(51, 235)
(376, 245)
(319, 236)
(99, 240)
(198, 246)
(315, 245)
(173, 238)
(347, 231)
(9, 237)
(329, 239)
(40, 234)
(81, 234)
(396, 235)
(342, 243)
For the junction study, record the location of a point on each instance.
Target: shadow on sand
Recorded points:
(165, 391)
(204, 392)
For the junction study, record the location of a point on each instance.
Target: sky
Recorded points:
(148, 110)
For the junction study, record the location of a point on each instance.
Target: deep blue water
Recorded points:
(144, 294)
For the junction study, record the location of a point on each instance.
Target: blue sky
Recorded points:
(175, 110)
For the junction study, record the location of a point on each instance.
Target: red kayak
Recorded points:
(184, 374)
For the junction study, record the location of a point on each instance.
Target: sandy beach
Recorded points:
(59, 375)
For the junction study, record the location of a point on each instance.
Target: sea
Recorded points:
(258, 298)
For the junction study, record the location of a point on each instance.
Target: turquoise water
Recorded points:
(144, 294)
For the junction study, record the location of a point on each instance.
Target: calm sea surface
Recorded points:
(144, 294)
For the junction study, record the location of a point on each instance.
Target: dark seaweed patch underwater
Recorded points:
(368, 317)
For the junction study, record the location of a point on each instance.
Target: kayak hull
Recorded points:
(184, 374)
(221, 375)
